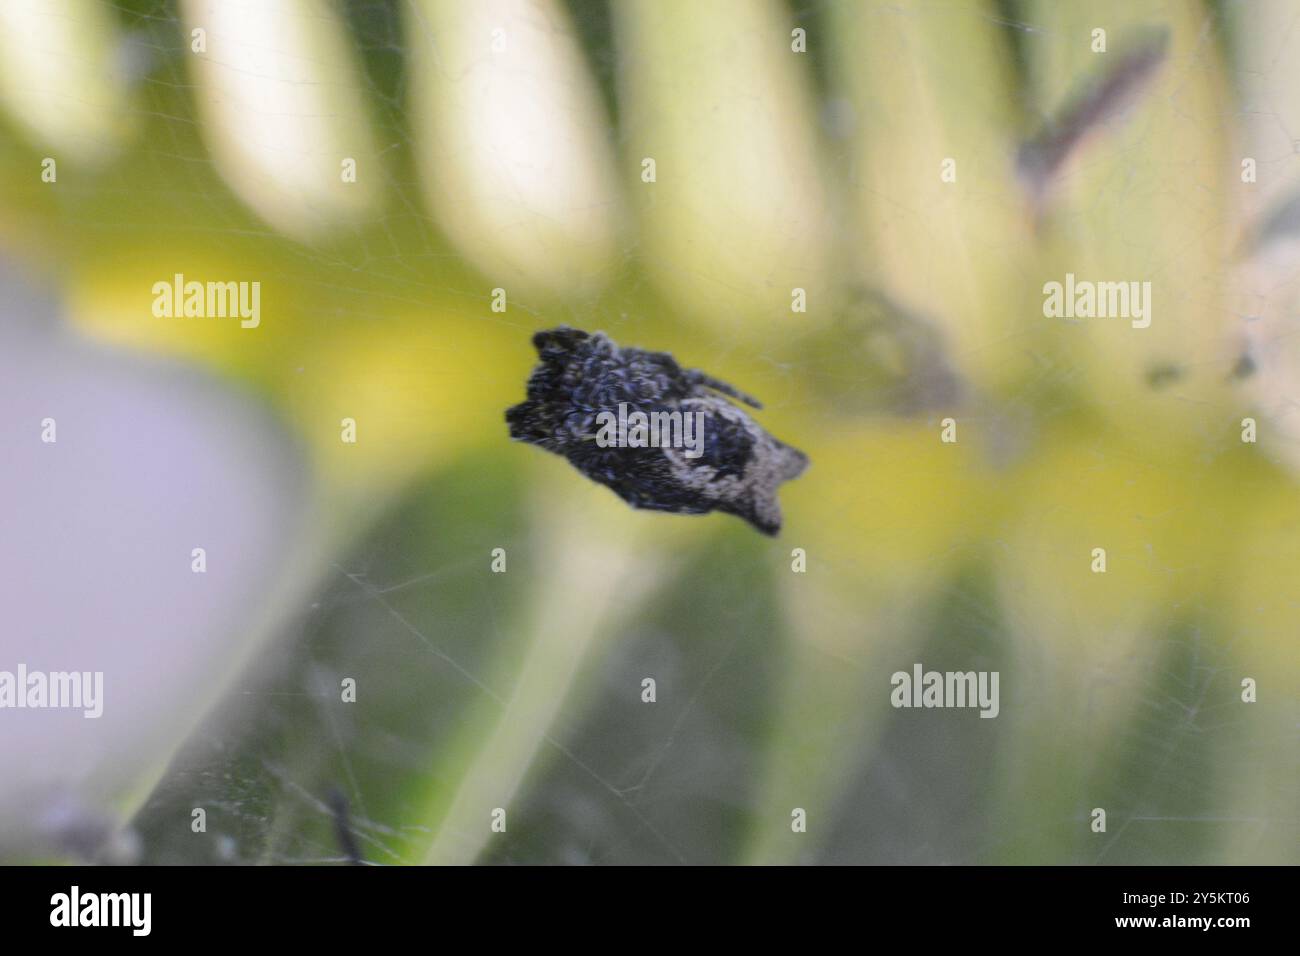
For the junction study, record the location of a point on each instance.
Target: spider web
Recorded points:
(288, 775)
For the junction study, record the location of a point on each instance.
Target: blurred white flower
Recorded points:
(512, 142)
(282, 109)
(62, 78)
(96, 542)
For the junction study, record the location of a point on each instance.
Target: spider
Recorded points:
(584, 378)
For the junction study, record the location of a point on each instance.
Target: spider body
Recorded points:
(584, 380)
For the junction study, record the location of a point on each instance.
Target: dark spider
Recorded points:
(581, 375)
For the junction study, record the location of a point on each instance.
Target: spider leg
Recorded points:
(696, 377)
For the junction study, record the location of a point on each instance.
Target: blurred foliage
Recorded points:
(776, 170)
